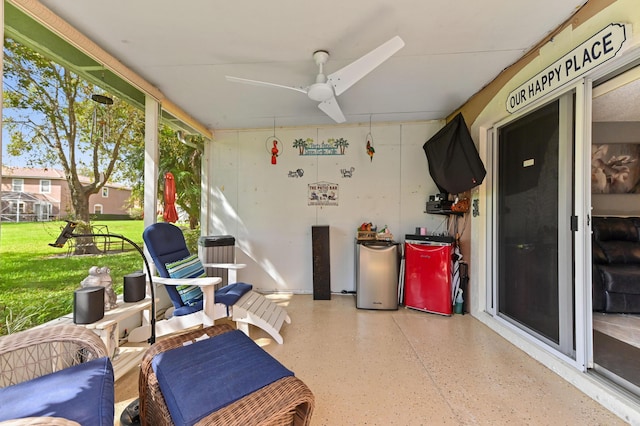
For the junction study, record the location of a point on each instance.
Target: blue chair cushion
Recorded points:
(166, 244)
(83, 393)
(203, 377)
(186, 310)
(230, 294)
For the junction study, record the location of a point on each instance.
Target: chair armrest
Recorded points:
(43, 350)
(200, 282)
(225, 265)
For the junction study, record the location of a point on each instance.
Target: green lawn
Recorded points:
(37, 281)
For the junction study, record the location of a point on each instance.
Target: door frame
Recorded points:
(579, 314)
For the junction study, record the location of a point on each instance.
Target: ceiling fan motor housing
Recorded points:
(320, 92)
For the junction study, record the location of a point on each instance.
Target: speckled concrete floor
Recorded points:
(412, 368)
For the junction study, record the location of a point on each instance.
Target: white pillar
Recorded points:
(151, 118)
(205, 196)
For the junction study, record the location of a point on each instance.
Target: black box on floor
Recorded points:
(321, 263)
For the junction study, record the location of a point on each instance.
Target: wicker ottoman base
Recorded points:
(287, 401)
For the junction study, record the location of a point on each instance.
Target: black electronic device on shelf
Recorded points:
(440, 204)
(439, 207)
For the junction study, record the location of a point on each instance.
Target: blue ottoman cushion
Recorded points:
(203, 377)
(83, 393)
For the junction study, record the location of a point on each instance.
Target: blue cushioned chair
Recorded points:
(179, 270)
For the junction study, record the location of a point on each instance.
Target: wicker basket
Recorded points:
(366, 235)
(384, 236)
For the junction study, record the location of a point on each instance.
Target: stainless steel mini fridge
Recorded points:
(377, 270)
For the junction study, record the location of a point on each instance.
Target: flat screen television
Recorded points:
(454, 162)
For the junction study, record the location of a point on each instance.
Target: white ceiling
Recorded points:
(620, 104)
(453, 48)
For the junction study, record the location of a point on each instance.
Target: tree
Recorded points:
(50, 116)
(184, 161)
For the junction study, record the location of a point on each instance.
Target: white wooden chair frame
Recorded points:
(252, 308)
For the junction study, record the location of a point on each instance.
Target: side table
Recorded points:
(108, 328)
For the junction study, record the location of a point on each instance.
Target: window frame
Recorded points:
(15, 184)
(48, 189)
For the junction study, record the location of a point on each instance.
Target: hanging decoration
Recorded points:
(296, 173)
(323, 194)
(273, 145)
(370, 149)
(100, 125)
(347, 173)
(332, 146)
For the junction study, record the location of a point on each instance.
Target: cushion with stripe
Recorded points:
(189, 267)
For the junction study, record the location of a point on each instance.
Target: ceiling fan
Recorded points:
(326, 88)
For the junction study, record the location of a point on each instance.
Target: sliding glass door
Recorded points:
(615, 132)
(533, 223)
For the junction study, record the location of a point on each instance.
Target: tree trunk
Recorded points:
(84, 245)
(193, 222)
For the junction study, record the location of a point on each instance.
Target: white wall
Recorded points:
(268, 212)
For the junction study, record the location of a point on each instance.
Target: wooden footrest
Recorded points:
(254, 308)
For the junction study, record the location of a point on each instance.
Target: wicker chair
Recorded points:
(37, 352)
(287, 401)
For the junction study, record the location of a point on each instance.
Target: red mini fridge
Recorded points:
(427, 278)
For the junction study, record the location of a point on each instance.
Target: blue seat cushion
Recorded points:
(230, 294)
(203, 377)
(186, 310)
(83, 393)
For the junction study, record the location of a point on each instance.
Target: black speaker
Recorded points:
(88, 305)
(135, 287)
(321, 263)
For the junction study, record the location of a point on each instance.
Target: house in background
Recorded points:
(35, 195)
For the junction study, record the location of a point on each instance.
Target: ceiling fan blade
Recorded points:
(332, 109)
(262, 83)
(349, 75)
